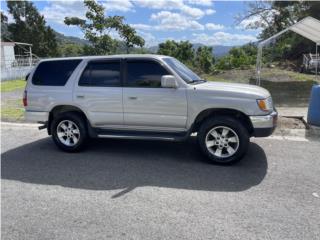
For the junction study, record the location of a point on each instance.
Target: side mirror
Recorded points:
(168, 81)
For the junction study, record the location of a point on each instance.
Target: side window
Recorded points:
(54, 73)
(144, 73)
(101, 74)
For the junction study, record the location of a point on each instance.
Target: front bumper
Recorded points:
(36, 116)
(263, 126)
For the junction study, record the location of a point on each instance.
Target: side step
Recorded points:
(142, 135)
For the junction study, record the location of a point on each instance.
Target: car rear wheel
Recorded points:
(223, 139)
(69, 132)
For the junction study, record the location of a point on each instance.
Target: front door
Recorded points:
(99, 93)
(146, 104)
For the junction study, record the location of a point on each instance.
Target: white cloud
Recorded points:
(210, 11)
(149, 39)
(141, 26)
(58, 10)
(250, 22)
(213, 26)
(118, 5)
(201, 2)
(222, 38)
(8, 15)
(174, 21)
(257, 21)
(180, 5)
(192, 12)
(160, 4)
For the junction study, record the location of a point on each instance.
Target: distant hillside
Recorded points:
(69, 39)
(218, 50)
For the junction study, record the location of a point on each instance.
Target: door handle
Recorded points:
(133, 98)
(80, 96)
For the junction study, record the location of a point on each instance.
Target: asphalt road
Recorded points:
(120, 189)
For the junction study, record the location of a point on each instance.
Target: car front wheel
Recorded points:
(223, 140)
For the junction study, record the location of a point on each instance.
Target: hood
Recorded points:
(234, 89)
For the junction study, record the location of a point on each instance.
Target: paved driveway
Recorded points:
(120, 189)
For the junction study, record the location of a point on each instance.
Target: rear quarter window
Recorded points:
(54, 73)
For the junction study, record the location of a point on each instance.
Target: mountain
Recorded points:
(61, 38)
(218, 50)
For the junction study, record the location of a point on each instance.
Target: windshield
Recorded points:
(183, 71)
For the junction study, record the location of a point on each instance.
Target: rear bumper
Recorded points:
(263, 126)
(36, 116)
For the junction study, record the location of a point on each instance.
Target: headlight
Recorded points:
(265, 104)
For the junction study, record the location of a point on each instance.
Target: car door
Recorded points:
(146, 104)
(99, 93)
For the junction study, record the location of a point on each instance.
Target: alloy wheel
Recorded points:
(222, 142)
(68, 133)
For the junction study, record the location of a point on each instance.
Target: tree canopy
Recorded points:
(97, 27)
(275, 16)
(30, 27)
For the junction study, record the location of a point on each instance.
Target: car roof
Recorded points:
(153, 56)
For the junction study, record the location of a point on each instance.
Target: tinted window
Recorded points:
(101, 74)
(54, 73)
(144, 74)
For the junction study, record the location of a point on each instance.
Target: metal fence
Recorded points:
(16, 68)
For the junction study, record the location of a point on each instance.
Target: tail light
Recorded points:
(25, 98)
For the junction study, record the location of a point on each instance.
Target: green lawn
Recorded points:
(12, 85)
(12, 110)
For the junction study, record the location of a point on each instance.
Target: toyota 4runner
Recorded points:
(145, 97)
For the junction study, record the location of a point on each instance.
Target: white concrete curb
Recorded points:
(11, 124)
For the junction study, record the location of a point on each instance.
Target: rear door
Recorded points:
(99, 93)
(146, 104)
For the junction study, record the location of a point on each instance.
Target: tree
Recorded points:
(5, 34)
(30, 27)
(168, 48)
(275, 16)
(204, 59)
(128, 34)
(96, 28)
(239, 57)
(183, 50)
(70, 50)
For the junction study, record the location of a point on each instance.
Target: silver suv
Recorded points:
(145, 97)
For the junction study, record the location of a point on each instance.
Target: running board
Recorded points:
(141, 135)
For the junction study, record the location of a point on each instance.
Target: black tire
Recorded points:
(78, 120)
(231, 123)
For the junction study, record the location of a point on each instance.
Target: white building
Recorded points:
(7, 54)
(17, 60)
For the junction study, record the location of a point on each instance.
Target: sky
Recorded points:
(199, 21)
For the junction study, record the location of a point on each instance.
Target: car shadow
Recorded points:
(128, 164)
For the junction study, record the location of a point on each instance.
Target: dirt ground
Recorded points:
(290, 123)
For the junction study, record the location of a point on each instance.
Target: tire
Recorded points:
(76, 132)
(232, 142)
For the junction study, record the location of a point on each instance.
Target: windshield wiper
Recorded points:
(197, 81)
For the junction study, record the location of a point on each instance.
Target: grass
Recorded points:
(269, 74)
(12, 110)
(288, 88)
(276, 74)
(12, 85)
